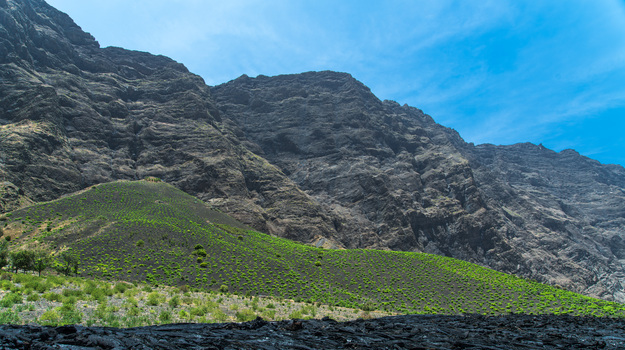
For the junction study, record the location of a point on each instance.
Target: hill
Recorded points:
(151, 231)
(314, 157)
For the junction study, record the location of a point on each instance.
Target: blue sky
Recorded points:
(502, 72)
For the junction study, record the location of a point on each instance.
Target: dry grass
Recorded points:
(121, 304)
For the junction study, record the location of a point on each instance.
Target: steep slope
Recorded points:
(73, 115)
(145, 231)
(403, 182)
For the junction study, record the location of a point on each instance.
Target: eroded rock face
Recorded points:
(565, 212)
(313, 157)
(397, 180)
(73, 115)
(399, 332)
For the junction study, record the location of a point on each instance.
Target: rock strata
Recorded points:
(399, 332)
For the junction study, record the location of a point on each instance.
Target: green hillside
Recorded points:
(150, 231)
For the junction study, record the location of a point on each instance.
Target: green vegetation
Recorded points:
(75, 300)
(151, 232)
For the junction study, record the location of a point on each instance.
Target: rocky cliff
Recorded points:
(73, 114)
(314, 157)
(400, 181)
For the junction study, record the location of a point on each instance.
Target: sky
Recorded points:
(497, 71)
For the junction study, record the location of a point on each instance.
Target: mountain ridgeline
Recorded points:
(313, 157)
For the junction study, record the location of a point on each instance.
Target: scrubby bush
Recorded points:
(174, 301)
(51, 296)
(154, 299)
(50, 318)
(121, 287)
(10, 299)
(245, 315)
(165, 316)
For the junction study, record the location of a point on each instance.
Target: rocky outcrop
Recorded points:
(314, 157)
(399, 332)
(12, 198)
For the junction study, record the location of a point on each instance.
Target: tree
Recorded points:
(42, 260)
(4, 254)
(22, 259)
(69, 263)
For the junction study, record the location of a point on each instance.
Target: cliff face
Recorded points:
(397, 180)
(565, 212)
(73, 114)
(314, 157)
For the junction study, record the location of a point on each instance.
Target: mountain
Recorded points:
(73, 115)
(313, 157)
(398, 180)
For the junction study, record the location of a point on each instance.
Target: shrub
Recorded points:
(223, 288)
(121, 287)
(296, 314)
(245, 315)
(9, 317)
(11, 299)
(38, 285)
(69, 314)
(6, 285)
(165, 316)
(73, 293)
(140, 243)
(270, 314)
(219, 315)
(199, 311)
(134, 311)
(174, 301)
(98, 294)
(154, 299)
(51, 296)
(50, 318)
(368, 306)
